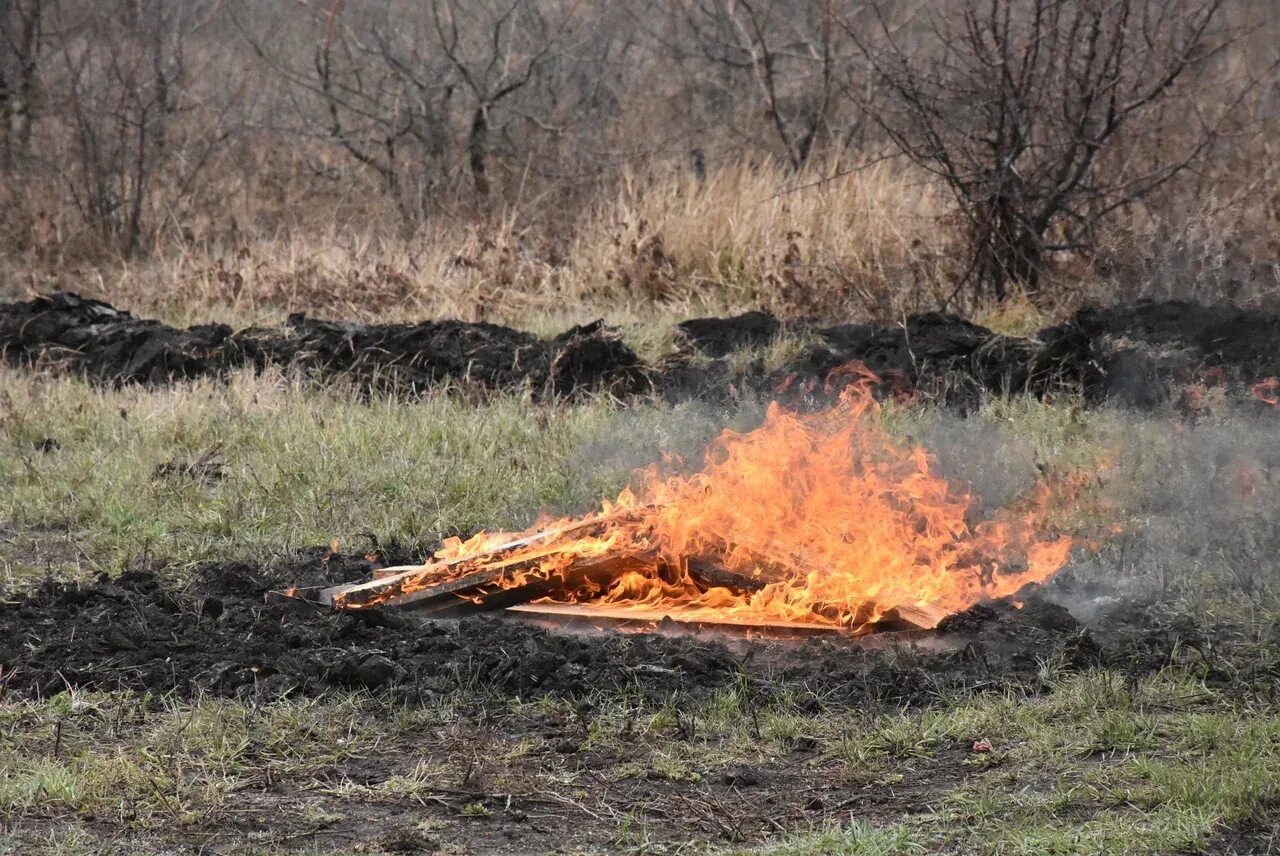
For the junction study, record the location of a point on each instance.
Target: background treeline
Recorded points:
(455, 155)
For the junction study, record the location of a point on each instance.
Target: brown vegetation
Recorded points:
(540, 161)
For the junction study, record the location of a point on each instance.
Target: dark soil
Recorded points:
(1142, 354)
(110, 345)
(1252, 837)
(504, 780)
(225, 635)
(719, 337)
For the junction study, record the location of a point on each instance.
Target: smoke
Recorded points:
(674, 438)
(986, 458)
(1185, 514)
(1196, 506)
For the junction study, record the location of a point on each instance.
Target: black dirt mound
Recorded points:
(1145, 351)
(941, 356)
(719, 337)
(225, 635)
(1139, 354)
(110, 345)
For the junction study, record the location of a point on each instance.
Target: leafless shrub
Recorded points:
(413, 91)
(794, 60)
(107, 109)
(1015, 106)
(488, 157)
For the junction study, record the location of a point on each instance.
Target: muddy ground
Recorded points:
(225, 635)
(1141, 354)
(491, 778)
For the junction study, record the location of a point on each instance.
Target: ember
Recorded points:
(821, 520)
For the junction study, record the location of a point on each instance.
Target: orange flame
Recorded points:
(1265, 391)
(829, 519)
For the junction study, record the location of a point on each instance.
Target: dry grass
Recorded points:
(838, 241)
(869, 242)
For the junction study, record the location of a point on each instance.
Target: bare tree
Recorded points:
(510, 43)
(22, 25)
(386, 94)
(123, 82)
(413, 90)
(1014, 105)
(795, 59)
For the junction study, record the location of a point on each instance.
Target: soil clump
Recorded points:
(1144, 354)
(110, 345)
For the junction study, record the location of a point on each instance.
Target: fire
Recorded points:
(1265, 391)
(812, 518)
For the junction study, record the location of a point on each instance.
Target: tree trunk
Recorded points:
(478, 150)
(1009, 251)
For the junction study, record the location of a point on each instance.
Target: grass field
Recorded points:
(875, 176)
(1093, 761)
(1096, 765)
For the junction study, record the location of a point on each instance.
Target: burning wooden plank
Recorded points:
(907, 616)
(497, 585)
(396, 586)
(594, 574)
(708, 574)
(623, 615)
(542, 565)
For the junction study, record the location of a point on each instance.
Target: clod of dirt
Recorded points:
(719, 337)
(111, 346)
(371, 671)
(593, 356)
(740, 777)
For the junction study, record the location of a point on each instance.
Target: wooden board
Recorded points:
(708, 574)
(913, 617)
(407, 580)
(615, 614)
(492, 587)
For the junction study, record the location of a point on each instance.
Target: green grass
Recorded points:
(1097, 764)
(290, 466)
(159, 770)
(263, 465)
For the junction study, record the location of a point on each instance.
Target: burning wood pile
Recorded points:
(811, 522)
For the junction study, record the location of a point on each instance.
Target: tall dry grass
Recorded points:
(871, 242)
(838, 242)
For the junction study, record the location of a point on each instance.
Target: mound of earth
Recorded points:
(1140, 354)
(110, 345)
(224, 634)
(719, 337)
(1144, 352)
(940, 356)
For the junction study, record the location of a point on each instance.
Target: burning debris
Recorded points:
(813, 521)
